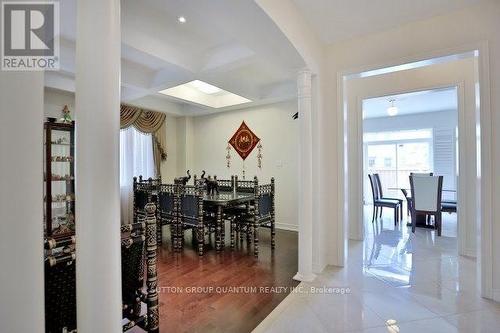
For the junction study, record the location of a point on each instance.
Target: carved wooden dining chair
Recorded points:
(60, 285)
(60, 279)
(262, 215)
(144, 191)
(191, 215)
(167, 203)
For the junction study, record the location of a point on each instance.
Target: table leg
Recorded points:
(232, 231)
(255, 237)
(218, 229)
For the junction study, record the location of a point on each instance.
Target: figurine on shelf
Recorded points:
(66, 118)
(61, 141)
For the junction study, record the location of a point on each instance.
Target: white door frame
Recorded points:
(465, 201)
(483, 149)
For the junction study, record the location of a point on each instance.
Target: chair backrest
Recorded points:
(421, 174)
(426, 193)
(191, 204)
(198, 181)
(143, 191)
(378, 185)
(60, 287)
(132, 263)
(374, 187)
(244, 186)
(264, 199)
(226, 185)
(150, 181)
(167, 199)
(60, 278)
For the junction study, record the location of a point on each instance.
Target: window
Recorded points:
(398, 135)
(136, 159)
(394, 155)
(136, 155)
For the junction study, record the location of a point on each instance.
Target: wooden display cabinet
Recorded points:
(59, 178)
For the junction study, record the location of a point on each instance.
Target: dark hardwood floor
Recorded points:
(218, 309)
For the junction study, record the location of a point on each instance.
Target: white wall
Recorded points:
(169, 167)
(437, 119)
(55, 100)
(185, 146)
(458, 31)
(274, 125)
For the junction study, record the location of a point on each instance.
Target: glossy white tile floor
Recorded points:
(398, 282)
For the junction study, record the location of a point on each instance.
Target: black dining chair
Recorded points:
(381, 196)
(426, 195)
(419, 174)
(379, 202)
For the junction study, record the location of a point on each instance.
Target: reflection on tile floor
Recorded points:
(396, 281)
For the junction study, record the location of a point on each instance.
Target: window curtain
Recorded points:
(147, 121)
(136, 158)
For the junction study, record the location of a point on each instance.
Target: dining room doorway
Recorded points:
(464, 69)
(456, 75)
(407, 133)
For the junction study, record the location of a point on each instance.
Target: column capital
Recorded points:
(304, 71)
(304, 83)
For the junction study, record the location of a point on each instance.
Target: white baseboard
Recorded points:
(286, 226)
(317, 268)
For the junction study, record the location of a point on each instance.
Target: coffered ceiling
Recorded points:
(230, 44)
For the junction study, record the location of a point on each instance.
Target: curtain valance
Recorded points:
(143, 120)
(147, 121)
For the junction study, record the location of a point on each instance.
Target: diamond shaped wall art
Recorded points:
(244, 141)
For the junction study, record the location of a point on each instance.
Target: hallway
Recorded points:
(395, 281)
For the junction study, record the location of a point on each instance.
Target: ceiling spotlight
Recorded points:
(181, 19)
(392, 110)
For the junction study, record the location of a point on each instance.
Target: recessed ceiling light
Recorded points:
(203, 93)
(181, 19)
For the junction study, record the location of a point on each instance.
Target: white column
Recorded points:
(304, 85)
(21, 202)
(98, 272)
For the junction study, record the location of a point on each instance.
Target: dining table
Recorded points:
(221, 201)
(421, 221)
(409, 189)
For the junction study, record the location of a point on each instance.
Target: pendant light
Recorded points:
(392, 110)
